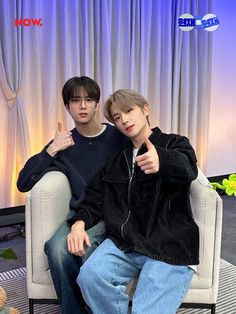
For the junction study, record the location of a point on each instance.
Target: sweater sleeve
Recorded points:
(34, 169)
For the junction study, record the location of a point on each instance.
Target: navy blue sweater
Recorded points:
(79, 162)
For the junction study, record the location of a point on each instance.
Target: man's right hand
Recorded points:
(62, 140)
(77, 238)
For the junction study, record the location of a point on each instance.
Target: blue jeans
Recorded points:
(65, 267)
(103, 279)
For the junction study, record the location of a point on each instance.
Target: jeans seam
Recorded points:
(112, 280)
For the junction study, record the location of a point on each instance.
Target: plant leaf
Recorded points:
(8, 254)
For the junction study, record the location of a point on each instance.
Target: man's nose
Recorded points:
(82, 103)
(124, 118)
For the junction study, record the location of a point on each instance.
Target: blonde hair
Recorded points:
(124, 99)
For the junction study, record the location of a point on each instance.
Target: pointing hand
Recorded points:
(149, 161)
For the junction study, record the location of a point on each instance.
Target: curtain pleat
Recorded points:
(11, 73)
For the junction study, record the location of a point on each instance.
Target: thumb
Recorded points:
(59, 126)
(148, 143)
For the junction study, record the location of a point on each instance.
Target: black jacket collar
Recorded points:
(154, 137)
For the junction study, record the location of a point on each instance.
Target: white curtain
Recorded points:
(121, 44)
(11, 72)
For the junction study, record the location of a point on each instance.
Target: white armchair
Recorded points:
(47, 205)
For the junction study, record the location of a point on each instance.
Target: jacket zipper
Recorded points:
(122, 227)
(131, 173)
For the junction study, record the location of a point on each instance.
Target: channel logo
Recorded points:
(28, 22)
(188, 22)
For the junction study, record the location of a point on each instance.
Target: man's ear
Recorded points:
(96, 107)
(146, 110)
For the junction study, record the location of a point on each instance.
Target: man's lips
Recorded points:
(83, 115)
(129, 128)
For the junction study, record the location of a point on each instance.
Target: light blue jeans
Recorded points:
(65, 266)
(104, 276)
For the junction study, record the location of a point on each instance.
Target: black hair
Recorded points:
(73, 86)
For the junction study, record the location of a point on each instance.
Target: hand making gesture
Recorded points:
(62, 140)
(149, 161)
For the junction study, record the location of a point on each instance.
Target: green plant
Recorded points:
(228, 186)
(8, 253)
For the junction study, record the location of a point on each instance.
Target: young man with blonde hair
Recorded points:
(142, 193)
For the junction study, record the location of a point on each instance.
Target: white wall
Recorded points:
(222, 137)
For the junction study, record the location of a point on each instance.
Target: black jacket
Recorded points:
(147, 213)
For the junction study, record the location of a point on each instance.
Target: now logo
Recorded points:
(28, 22)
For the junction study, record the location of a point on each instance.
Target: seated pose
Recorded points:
(79, 154)
(142, 193)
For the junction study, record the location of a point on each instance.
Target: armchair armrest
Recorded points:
(47, 206)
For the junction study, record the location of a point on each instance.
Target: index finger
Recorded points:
(141, 157)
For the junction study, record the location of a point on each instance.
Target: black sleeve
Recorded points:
(90, 209)
(178, 163)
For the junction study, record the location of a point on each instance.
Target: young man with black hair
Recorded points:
(79, 154)
(142, 193)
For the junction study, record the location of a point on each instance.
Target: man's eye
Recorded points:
(75, 100)
(87, 99)
(116, 119)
